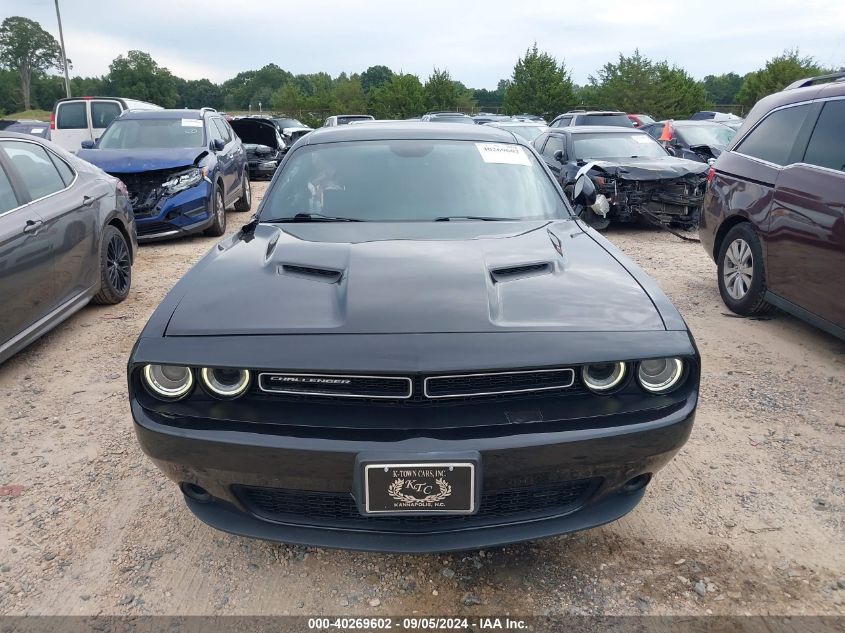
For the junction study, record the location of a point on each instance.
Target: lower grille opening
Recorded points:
(337, 509)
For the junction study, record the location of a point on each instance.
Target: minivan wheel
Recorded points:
(245, 201)
(218, 224)
(115, 268)
(742, 274)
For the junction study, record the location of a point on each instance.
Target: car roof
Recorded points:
(594, 129)
(516, 123)
(22, 137)
(690, 123)
(400, 130)
(165, 114)
(608, 112)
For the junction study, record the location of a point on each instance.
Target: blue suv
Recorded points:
(182, 168)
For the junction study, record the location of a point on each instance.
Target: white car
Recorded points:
(343, 119)
(81, 119)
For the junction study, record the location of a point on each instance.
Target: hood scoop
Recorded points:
(325, 275)
(510, 273)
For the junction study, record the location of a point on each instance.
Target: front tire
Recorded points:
(115, 268)
(244, 203)
(218, 224)
(742, 273)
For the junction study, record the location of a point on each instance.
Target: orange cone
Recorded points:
(667, 132)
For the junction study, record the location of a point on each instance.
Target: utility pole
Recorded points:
(64, 52)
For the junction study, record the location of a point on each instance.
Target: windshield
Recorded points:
(622, 145)
(343, 120)
(153, 134)
(620, 120)
(413, 180)
(644, 119)
(528, 132)
(711, 135)
(283, 123)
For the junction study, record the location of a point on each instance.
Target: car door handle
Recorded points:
(32, 226)
(87, 201)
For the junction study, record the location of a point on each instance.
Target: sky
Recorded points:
(477, 41)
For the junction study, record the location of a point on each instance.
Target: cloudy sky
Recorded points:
(477, 41)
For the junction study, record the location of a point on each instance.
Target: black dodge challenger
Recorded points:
(414, 346)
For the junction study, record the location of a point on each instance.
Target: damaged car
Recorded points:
(183, 169)
(697, 140)
(292, 129)
(636, 179)
(263, 143)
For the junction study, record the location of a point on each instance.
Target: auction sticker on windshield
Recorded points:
(503, 153)
(191, 123)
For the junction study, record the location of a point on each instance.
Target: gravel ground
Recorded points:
(748, 518)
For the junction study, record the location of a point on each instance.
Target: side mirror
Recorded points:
(217, 145)
(584, 192)
(559, 156)
(86, 144)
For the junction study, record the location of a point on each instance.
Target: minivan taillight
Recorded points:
(711, 174)
(52, 120)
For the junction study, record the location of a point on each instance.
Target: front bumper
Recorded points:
(263, 168)
(223, 462)
(173, 216)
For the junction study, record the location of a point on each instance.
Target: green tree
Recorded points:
(196, 93)
(27, 49)
(375, 77)
(288, 99)
(138, 76)
(441, 93)
(722, 89)
(539, 85)
(348, 95)
(778, 73)
(401, 97)
(637, 84)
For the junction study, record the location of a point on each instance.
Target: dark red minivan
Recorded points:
(774, 212)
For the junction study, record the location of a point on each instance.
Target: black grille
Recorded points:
(498, 383)
(145, 188)
(510, 272)
(336, 509)
(335, 386)
(323, 274)
(151, 228)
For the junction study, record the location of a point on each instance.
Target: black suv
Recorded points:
(592, 117)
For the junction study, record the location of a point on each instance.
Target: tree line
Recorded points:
(539, 84)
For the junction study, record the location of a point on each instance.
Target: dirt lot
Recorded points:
(749, 518)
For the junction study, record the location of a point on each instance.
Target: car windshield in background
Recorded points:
(153, 134)
(621, 120)
(283, 123)
(413, 180)
(343, 120)
(622, 145)
(528, 132)
(645, 119)
(710, 135)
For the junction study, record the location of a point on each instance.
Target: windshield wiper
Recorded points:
(485, 218)
(313, 217)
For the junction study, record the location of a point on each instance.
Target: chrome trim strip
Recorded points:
(408, 381)
(500, 373)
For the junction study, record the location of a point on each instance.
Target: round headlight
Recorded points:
(660, 375)
(602, 377)
(225, 383)
(170, 382)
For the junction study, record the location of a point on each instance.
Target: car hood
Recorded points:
(658, 168)
(126, 161)
(411, 278)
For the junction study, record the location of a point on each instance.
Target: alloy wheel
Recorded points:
(248, 192)
(220, 209)
(118, 264)
(738, 269)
